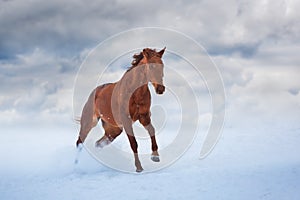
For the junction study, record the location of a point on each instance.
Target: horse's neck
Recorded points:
(134, 79)
(132, 86)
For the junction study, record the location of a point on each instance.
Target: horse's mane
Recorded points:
(139, 56)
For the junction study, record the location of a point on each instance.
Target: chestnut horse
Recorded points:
(120, 104)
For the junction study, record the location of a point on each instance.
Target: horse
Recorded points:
(118, 105)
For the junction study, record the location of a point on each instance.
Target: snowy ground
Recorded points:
(254, 164)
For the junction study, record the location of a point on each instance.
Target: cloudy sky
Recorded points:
(255, 45)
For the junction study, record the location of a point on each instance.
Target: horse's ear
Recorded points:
(161, 52)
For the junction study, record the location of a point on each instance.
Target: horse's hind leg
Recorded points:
(88, 119)
(111, 132)
(145, 120)
(85, 127)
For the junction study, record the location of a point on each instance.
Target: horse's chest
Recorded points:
(137, 109)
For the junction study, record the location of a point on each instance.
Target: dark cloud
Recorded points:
(294, 91)
(58, 26)
(244, 50)
(68, 27)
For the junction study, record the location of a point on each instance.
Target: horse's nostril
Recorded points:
(160, 89)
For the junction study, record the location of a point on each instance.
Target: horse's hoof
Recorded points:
(139, 170)
(102, 143)
(79, 147)
(98, 144)
(155, 158)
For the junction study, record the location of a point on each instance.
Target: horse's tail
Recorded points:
(77, 119)
(88, 110)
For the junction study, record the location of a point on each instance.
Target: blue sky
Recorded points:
(255, 44)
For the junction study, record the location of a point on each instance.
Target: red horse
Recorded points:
(120, 104)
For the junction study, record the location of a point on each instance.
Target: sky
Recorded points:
(254, 44)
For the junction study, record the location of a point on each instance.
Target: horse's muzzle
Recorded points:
(160, 89)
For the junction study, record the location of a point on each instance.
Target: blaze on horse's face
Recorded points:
(156, 74)
(155, 69)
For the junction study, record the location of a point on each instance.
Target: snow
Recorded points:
(251, 164)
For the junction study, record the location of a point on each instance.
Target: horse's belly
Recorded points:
(106, 109)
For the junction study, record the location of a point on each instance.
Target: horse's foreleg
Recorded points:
(134, 146)
(127, 123)
(151, 131)
(146, 122)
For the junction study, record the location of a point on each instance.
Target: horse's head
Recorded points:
(154, 68)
